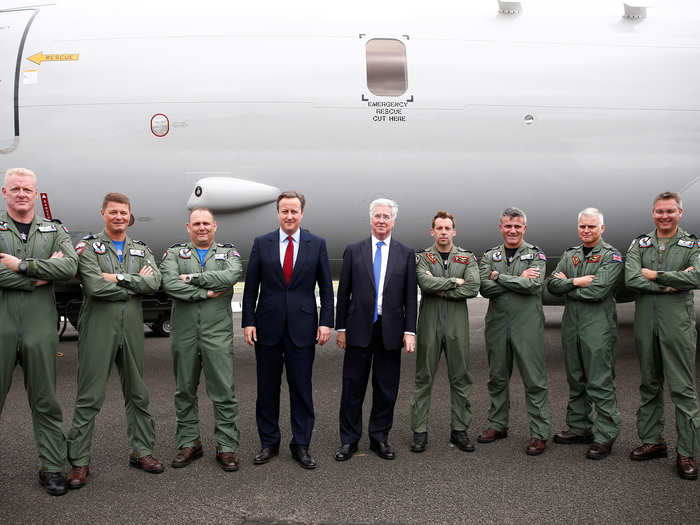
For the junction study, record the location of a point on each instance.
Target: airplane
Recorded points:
(470, 107)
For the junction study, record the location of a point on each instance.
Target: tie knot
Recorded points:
(380, 244)
(290, 238)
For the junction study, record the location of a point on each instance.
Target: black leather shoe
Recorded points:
(302, 456)
(55, 483)
(420, 440)
(382, 449)
(265, 455)
(599, 451)
(460, 439)
(569, 438)
(345, 451)
(648, 451)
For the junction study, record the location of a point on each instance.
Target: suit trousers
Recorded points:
(270, 361)
(385, 366)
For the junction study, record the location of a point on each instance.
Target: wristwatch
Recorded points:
(120, 278)
(22, 268)
(188, 278)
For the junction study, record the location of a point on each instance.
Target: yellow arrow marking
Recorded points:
(40, 57)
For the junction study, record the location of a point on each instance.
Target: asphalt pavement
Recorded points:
(498, 483)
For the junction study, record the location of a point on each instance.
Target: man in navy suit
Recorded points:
(282, 322)
(375, 317)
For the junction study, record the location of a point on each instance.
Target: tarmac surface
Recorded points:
(498, 483)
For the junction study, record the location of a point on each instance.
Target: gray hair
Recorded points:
(591, 212)
(384, 202)
(20, 171)
(513, 212)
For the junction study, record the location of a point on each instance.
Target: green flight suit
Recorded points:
(28, 333)
(589, 338)
(202, 338)
(443, 324)
(515, 330)
(664, 333)
(111, 331)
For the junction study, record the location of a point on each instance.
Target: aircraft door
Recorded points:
(14, 25)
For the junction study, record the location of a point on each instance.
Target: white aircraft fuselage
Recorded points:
(563, 106)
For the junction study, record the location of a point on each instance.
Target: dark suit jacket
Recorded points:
(294, 305)
(356, 291)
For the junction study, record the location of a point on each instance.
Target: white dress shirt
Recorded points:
(385, 259)
(283, 246)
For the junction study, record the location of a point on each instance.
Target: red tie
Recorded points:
(288, 265)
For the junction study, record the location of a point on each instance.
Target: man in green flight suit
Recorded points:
(587, 276)
(512, 276)
(662, 266)
(115, 272)
(447, 275)
(33, 254)
(199, 276)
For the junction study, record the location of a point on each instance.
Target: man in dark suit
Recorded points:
(282, 322)
(375, 317)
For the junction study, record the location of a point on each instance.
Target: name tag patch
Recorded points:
(462, 259)
(220, 256)
(137, 253)
(686, 244)
(100, 248)
(645, 242)
(185, 253)
(46, 228)
(497, 256)
(527, 257)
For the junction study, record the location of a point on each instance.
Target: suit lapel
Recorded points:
(366, 256)
(303, 252)
(273, 252)
(390, 263)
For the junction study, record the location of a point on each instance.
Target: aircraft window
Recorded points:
(386, 67)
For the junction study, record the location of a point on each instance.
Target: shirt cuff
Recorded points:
(340, 330)
(409, 333)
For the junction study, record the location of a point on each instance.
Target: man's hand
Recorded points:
(689, 269)
(648, 274)
(323, 334)
(111, 277)
(493, 275)
(250, 335)
(211, 294)
(560, 275)
(56, 255)
(146, 271)
(41, 282)
(409, 342)
(10, 261)
(583, 281)
(530, 273)
(340, 340)
(184, 276)
(460, 281)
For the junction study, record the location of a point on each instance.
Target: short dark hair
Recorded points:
(201, 208)
(291, 195)
(444, 215)
(115, 196)
(668, 195)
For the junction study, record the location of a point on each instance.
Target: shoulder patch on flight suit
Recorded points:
(47, 228)
(594, 258)
(497, 256)
(137, 253)
(431, 257)
(617, 257)
(3, 226)
(80, 247)
(463, 259)
(541, 255)
(100, 248)
(686, 244)
(644, 242)
(185, 253)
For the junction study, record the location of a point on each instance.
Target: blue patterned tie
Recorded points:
(377, 276)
